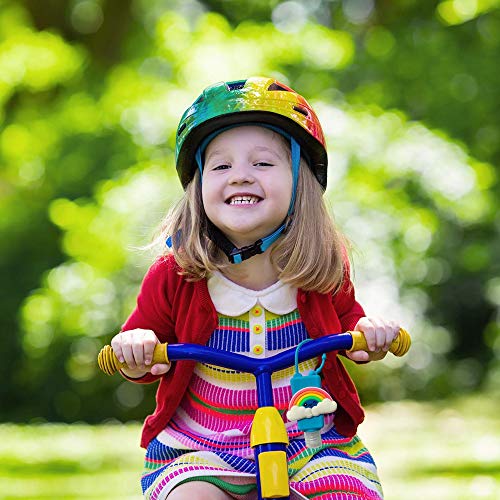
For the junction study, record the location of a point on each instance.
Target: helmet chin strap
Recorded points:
(237, 255)
(234, 254)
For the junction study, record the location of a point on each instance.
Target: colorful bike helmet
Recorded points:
(256, 100)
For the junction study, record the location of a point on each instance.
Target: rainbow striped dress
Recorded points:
(208, 438)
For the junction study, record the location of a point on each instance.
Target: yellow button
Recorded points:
(258, 349)
(257, 328)
(257, 311)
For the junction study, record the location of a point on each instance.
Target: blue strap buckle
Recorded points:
(237, 255)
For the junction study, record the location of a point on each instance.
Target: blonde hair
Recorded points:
(311, 255)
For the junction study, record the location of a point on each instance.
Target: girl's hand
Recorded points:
(379, 335)
(135, 347)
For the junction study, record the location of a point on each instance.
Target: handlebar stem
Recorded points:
(263, 379)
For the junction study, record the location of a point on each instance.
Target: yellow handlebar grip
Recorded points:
(399, 347)
(109, 363)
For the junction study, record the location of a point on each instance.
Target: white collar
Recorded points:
(231, 299)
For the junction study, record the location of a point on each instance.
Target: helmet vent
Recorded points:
(302, 110)
(181, 129)
(236, 85)
(277, 86)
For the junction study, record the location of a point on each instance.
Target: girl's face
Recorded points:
(247, 183)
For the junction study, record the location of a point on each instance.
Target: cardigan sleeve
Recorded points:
(153, 310)
(347, 307)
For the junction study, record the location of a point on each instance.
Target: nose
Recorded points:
(241, 173)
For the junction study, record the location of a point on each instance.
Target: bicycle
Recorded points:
(268, 436)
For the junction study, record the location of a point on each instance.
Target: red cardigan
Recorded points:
(180, 311)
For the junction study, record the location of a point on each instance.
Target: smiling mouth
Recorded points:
(243, 200)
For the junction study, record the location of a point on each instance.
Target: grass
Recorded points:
(57, 461)
(442, 451)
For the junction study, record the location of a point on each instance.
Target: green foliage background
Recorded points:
(90, 95)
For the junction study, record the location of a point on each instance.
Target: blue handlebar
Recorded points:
(285, 359)
(262, 369)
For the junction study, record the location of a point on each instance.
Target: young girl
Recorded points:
(254, 265)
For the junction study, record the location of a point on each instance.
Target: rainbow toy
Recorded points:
(309, 395)
(308, 403)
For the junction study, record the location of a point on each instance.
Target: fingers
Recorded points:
(378, 333)
(149, 342)
(359, 356)
(117, 348)
(135, 348)
(160, 369)
(392, 331)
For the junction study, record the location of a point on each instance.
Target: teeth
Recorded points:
(243, 200)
